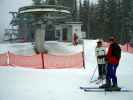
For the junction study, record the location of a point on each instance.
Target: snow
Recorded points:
(53, 47)
(60, 84)
(17, 48)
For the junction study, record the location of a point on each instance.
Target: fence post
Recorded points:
(42, 57)
(83, 56)
(8, 58)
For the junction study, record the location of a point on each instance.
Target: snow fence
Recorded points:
(43, 61)
(69, 61)
(3, 59)
(126, 47)
(34, 61)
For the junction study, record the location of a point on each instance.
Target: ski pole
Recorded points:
(93, 73)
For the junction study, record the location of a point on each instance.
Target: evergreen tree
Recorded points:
(101, 18)
(126, 19)
(108, 17)
(84, 15)
(118, 20)
(131, 22)
(111, 16)
(92, 21)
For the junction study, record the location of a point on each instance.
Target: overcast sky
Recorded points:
(10, 5)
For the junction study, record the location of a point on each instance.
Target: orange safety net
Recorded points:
(48, 62)
(127, 48)
(3, 59)
(69, 61)
(34, 61)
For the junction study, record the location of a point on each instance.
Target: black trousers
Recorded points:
(102, 70)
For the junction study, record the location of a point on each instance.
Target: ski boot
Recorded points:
(113, 88)
(106, 85)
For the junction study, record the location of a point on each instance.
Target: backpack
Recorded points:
(116, 50)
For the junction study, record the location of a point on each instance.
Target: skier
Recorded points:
(113, 58)
(75, 39)
(100, 55)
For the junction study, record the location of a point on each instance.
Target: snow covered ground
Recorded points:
(60, 84)
(53, 47)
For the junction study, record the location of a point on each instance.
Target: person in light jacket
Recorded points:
(100, 53)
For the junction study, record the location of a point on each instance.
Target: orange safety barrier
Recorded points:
(34, 61)
(45, 61)
(127, 48)
(3, 59)
(48, 62)
(69, 61)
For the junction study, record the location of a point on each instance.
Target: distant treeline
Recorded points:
(108, 17)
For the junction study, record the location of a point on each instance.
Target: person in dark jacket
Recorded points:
(75, 39)
(113, 59)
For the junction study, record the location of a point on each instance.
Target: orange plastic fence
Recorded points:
(3, 59)
(34, 61)
(46, 61)
(70, 61)
(127, 48)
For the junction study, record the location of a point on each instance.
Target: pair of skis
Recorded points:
(97, 89)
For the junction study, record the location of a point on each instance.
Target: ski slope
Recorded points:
(60, 84)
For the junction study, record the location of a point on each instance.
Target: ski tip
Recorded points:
(82, 87)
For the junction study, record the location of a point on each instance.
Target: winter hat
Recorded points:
(99, 42)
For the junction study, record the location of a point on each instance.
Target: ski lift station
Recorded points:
(49, 20)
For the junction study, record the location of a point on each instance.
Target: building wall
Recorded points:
(58, 33)
(69, 34)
